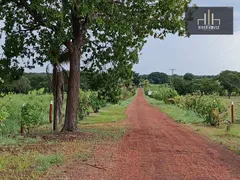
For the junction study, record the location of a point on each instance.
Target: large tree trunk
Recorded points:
(58, 95)
(70, 123)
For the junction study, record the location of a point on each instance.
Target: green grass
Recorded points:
(175, 112)
(27, 165)
(102, 125)
(110, 113)
(230, 139)
(44, 162)
(6, 141)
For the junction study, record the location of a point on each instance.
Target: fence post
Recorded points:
(232, 112)
(21, 123)
(50, 112)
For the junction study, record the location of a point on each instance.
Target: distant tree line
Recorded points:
(225, 83)
(109, 83)
(25, 83)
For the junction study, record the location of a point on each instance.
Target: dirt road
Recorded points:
(159, 148)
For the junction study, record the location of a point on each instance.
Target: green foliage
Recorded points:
(84, 104)
(205, 106)
(38, 81)
(3, 115)
(158, 78)
(211, 107)
(188, 77)
(230, 80)
(95, 101)
(136, 78)
(161, 92)
(13, 104)
(89, 99)
(176, 113)
(21, 85)
(92, 100)
(128, 91)
(31, 115)
(180, 85)
(144, 83)
(204, 85)
(109, 34)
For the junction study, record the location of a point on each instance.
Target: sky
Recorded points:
(199, 54)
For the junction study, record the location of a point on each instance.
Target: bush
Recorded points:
(162, 92)
(87, 100)
(95, 101)
(209, 107)
(3, 116)
(31, 115)
(84, 103)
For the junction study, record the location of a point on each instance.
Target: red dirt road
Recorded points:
(156, 147)
(159, 148)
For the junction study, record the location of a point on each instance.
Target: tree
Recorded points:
(158, 78)
(102, 30)
(110, 81)
(180, 85)
(206, 85)
(188, 77)
(38, 81)
(230, 80)
(143, 77)
(57, 85)
(136, 78)
(22, 85)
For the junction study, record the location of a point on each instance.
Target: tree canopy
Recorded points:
(230, 80)
(98, 32)
(188, 77)
(158, 78)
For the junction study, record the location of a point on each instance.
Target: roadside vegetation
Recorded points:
(31, 157)
(208, 115)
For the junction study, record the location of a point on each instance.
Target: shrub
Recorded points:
(31, 115)
(84, 103)
(95, 101)
(162, 92)
(210, 107)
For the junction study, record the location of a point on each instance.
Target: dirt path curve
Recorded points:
(159, 148)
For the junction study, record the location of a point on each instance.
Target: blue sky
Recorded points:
(199, 54)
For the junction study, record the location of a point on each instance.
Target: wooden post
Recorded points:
(50, 112)
(232, 112)
(22, 129)
(21, 124)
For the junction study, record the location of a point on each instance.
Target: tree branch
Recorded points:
(38, 18)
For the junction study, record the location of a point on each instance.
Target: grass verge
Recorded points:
(175, 112)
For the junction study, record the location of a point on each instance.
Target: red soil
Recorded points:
(158, 148)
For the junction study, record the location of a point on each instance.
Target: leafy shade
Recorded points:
(98, 32)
